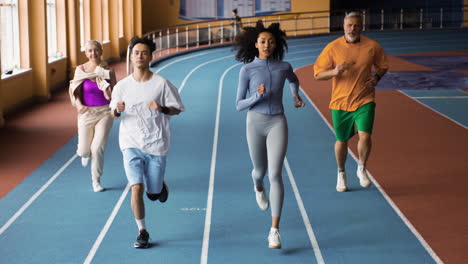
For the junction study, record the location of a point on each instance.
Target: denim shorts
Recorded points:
(144, 168)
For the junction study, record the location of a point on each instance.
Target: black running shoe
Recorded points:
(162, 196)
(142, 240)
(152, 196)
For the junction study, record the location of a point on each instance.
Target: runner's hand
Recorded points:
(371, 82)
(261, 89)
(120, 107)
(81, 109)
(299, 103)
(340, 68)
(154, 105)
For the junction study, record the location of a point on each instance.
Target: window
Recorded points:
(121, 24)
(51, 29)
(105, 20)
(190, 9)
(9, 36)
(82, 29)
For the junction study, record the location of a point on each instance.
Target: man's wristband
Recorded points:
(117, 114)
(165, 110)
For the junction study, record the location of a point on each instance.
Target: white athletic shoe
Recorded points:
(363, 177)
(274, 239)
(262, 199)
(84, 161)
(97, 187)
(341, 182)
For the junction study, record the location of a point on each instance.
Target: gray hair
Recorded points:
(93, 42)
(353, 14)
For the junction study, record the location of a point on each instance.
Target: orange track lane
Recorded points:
(29, 138)
(419, 158)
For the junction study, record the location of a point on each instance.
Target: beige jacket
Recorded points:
(100, 74)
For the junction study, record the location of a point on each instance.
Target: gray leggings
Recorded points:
(267, 137)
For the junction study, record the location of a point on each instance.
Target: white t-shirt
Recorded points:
(141, 127)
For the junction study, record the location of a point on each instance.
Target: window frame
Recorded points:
(82, 24)
(52, 43)
(13, 63)
(105, 21)
(121, 20)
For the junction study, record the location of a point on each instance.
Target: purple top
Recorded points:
(92, 96)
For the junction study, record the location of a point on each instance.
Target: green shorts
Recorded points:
(344, 121)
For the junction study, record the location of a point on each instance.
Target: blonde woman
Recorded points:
(90, 93)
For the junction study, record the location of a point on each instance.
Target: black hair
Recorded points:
(145, 41)
(244, 43)
(235, 10)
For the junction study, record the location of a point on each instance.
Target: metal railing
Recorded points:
(208, 33)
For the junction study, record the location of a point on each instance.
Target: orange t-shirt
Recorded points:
(348, 89)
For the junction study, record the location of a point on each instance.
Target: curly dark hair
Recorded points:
(244, 43)
(145, 41)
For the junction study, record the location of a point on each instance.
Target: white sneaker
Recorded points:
(341, 182)
(262, 199)
(363, 177)
(84, 161)
(97, 187)
(274, 239)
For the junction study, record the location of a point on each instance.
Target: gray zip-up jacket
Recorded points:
(273, 74)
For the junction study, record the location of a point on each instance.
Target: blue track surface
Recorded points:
(64, 221)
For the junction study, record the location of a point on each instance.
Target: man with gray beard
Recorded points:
(348, 61)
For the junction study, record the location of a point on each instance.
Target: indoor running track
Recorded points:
(211, 215)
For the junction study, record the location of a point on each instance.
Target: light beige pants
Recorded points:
(93, 129)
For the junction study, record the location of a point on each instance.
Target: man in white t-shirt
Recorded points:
(146, 101)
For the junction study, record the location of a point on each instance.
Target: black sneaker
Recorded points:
(142, 240)
(164, 193)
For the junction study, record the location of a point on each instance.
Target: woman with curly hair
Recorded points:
(260, 89)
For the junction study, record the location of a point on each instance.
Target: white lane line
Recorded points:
(384, 194)
(428, 107)
(304, 51)
(179, 60)
(34, 197)
(196, 68)
(305, 217)
(108, 224)
(52, 179)
(111, 218)
(402, 216)
(440, 97)
(308, 57)
(209, 202)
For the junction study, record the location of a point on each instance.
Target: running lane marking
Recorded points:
(440, 97)
(428, 107)
(384, 194)
(108, 224)
(304, 51)
(39, 192)
(119, 203)
(179, 60)
(57, 174)
(305, 217)
(307, 57)
(196, 68)
(209, 202)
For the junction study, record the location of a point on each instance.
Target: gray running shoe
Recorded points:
(142, 240)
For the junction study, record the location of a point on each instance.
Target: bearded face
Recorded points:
(352, 28)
